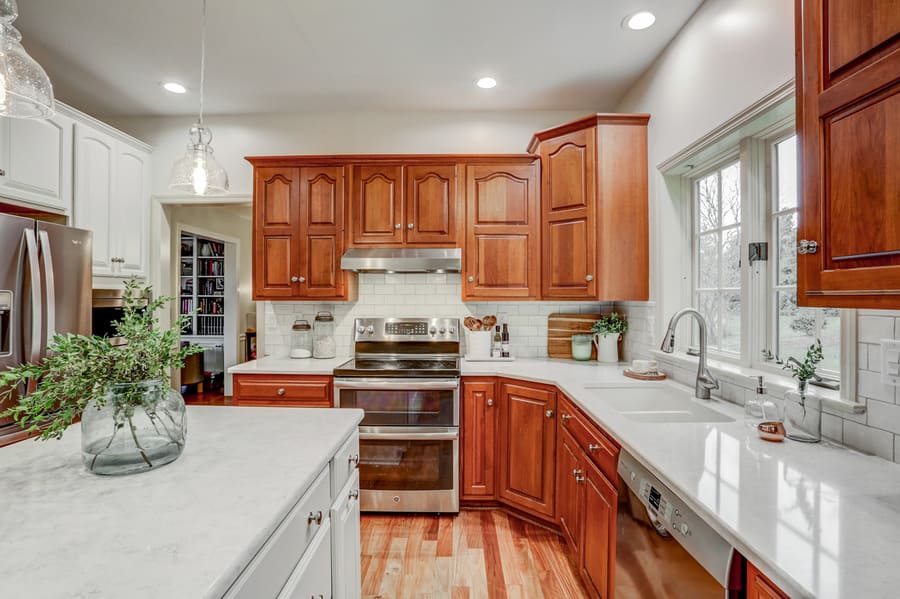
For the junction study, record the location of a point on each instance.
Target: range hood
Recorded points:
(402, 260)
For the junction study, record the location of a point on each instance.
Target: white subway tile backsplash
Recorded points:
(872, 329)
(885, 416)
(869, 440)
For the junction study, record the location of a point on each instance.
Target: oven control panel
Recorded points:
(406, 329)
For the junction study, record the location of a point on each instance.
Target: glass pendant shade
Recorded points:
(198, 172)
(25, 89)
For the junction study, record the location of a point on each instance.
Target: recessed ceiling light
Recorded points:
(639, 20)
(174, 87)
(486, 83)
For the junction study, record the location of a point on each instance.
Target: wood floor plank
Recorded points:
(477, 554)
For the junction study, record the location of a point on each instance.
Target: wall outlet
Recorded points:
(890, 362)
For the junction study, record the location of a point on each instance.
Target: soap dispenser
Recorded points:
(761, 408)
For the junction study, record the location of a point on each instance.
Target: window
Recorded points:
(749, 194)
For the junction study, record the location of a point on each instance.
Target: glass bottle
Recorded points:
(495, 346)
(323, 336)
(504, 342)
(301, 339)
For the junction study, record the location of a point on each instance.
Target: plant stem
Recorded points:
(97, 455)
(138, 443)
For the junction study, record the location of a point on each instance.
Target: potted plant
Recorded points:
(607, 332)
(131, 420)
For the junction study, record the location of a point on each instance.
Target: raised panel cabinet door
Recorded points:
(569, 497)
(376, 206)
(36, 161)
(568, 215)
(346, 550)
(760, 587)
(528, 448)
(94, 191)
(502, 248)
(276, 230)
(478, 433)
(322, 232)
(131, 209)
(848, 109)
(432, 205)
(598, 552)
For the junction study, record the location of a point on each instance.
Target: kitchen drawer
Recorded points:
(265, 390)
(311, 579)
(272, 566)
(601, 450)
(344, 464)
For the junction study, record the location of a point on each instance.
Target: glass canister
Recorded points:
(323, 336)
(301, 339)
(582, 345)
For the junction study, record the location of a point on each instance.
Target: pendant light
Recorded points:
(25, 89)
(198, 172)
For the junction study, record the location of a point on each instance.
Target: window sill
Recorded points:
(744, 377)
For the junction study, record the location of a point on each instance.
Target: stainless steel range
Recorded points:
(405, 376)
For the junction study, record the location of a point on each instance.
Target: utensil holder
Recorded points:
(478, 344)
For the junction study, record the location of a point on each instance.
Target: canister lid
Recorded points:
(301, 325)
(324, 317)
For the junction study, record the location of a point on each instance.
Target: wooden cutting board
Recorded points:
(561, 327)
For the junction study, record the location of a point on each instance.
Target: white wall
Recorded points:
(338, 133)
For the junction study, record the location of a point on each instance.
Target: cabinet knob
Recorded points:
(295, 279)
(409, 226)
(471, 279)
(397, 225)
(549, 413)
(302, 279)
(593, 447)
(280, 391)
(354, 494)
(589, 278)
(490, 402)
(315, 517)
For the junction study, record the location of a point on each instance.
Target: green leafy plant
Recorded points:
(802, 371)
(611, 324)
(78, 368)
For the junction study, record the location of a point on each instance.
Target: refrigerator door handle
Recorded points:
(34, 352)
(47, 257)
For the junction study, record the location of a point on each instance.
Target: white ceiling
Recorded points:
(109, 57)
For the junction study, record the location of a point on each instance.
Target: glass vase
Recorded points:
(136, 427)
(802, 416)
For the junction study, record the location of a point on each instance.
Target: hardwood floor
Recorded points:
(477, 554)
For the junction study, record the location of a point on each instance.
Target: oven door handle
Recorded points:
(399, 436)
(397, 384)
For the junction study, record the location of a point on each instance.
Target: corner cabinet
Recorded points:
(848, 101)
(502, 243)
(112, 199)
(298, 233)
(594, 208)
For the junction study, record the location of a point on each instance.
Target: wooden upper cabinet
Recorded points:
(502, 249)
(527, 447)
(377, 205)
(848, 83)
(276, 229)
(432, 207)
(594, 208)
(478, 431)
(322, 218)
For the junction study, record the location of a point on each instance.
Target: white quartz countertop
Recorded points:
(270, 365)
(184, 530)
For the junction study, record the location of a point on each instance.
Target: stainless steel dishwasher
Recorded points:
(663, 548)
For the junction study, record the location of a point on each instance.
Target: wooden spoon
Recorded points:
(470, 323)
(489, 322)
(478, 325)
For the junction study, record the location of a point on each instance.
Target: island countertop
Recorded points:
(185, 530)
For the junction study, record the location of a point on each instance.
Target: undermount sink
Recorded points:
(659, 405)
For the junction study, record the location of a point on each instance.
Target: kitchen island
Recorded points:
(199, 527)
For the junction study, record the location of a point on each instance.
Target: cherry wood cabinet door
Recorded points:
(598, 552)
(568, 489)
(376, 205)
(322, 232)
(528, 448)
(276, 230)
(502, 251)
(478, 431)
(432, 205)
(848, 83)
(568, 213)
(760, 587)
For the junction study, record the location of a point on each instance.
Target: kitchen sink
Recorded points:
(659, 405)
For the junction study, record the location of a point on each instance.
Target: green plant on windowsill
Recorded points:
(802, 371)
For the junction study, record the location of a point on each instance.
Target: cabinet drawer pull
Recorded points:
(490, 402)
(409, 226)
(354, 494)
(549, 413)
(565, 417)
(280, 391)
(354, 459)
(577, 472)
(593, 447)
(315, 517)
(589, 278)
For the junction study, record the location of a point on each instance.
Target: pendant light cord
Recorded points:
(202, 57)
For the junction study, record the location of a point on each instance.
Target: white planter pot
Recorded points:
(607, 348)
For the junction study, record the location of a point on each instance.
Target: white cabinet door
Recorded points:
(95, 185)
(36, 161)
(130, 210)
(346, 550)
(311, 578)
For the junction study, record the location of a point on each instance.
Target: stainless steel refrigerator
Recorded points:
(45, 288)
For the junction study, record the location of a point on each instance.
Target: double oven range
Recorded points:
(405, 377)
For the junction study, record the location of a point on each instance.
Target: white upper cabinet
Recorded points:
(112, 199)
(36, 162)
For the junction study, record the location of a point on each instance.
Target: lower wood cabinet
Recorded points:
(569, 475)
(597, 554)
(527, 447)
(760, 587)
(478, 436)
(278, 390)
